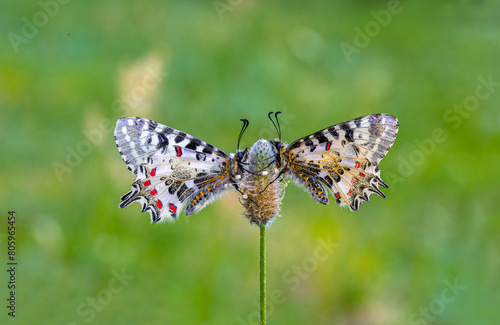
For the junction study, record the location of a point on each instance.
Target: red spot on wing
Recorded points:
(328, 145)
(153, 192)
(172, 208)
(354, 181)
(159, 204)
(350, 192)
(337, 195)
(153, 172)
(362, 174)
(147, 183)
(178, 150)
(358, 165)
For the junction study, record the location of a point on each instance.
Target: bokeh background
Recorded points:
(428, 254)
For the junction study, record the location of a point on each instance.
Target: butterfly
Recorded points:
(343, 158)
(174, 169)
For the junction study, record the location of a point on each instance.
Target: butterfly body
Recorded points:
(342, 158)
(173, 169)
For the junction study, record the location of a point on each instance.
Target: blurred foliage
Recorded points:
(64, 83)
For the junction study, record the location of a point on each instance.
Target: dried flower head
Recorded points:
(262, 191)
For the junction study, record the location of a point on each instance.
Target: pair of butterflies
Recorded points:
(175, 170)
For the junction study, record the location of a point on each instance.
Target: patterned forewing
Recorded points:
(345, 158)
(138, 138)
(172, 168)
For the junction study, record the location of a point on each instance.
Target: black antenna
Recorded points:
(240, 155)
(278, 122)
(275, 126)
(245, 125)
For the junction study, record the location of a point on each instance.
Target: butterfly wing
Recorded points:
(173, 169)
(344, 158)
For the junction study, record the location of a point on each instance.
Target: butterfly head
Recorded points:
(277, 142)
(280, 151)
(238, 160)
(241, 156)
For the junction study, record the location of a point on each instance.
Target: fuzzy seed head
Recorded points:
(263, 192)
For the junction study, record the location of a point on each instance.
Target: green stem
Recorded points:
(262, 274)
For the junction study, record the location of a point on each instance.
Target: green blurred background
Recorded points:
(69, 70)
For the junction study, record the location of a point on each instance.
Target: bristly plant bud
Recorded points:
(263, 192)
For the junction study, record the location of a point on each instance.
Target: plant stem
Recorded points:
(262, 274)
